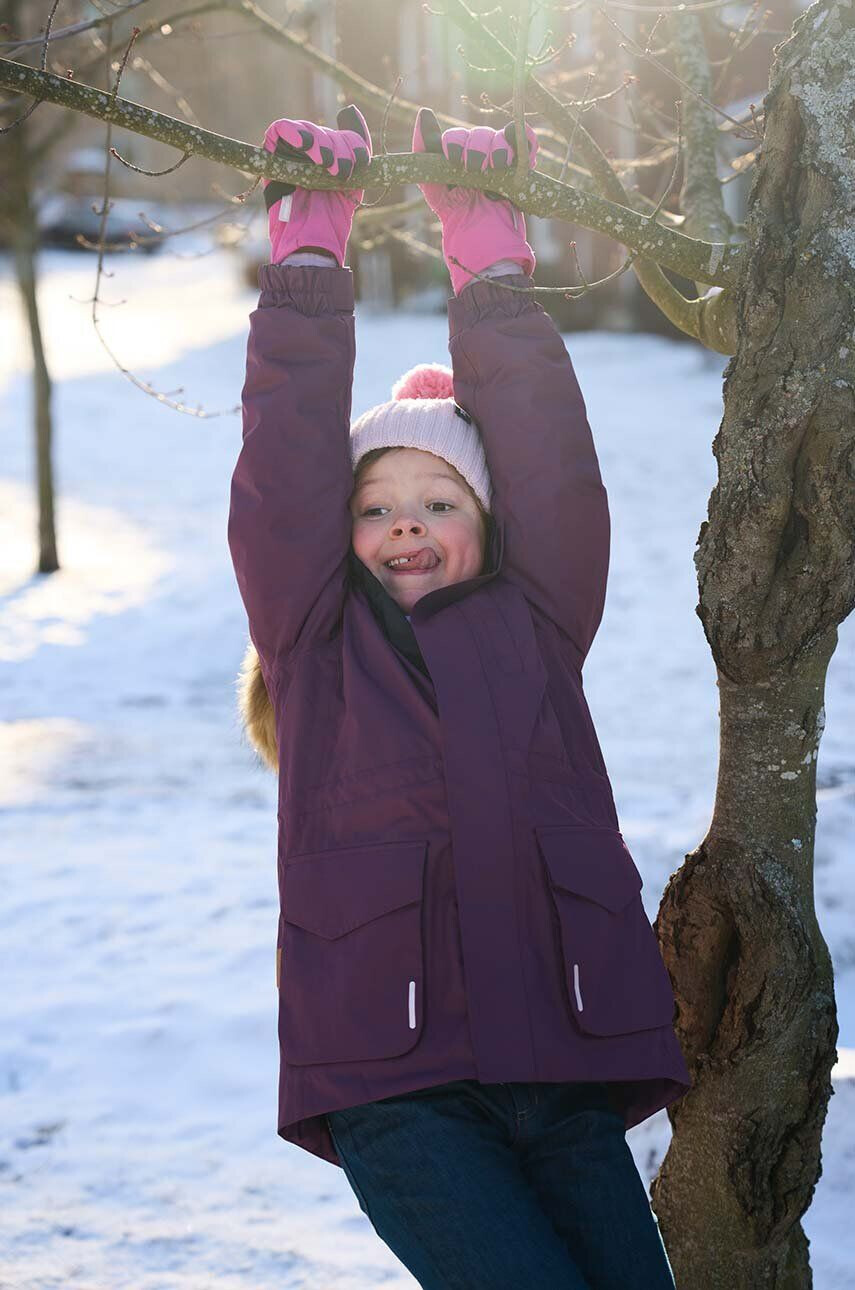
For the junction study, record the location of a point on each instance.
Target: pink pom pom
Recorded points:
(427, 381)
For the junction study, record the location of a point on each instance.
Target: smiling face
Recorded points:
(412, 507)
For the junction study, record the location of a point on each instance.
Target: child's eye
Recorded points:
(448, 506)
(370, 510)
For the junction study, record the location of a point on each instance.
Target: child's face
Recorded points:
(410, 502)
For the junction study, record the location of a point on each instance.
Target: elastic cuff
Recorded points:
(481, 299)
(308, 290)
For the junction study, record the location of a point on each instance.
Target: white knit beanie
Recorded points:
(422, 414)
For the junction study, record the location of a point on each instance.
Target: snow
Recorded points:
(138, 1056)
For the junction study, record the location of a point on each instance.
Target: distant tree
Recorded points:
(19, 231)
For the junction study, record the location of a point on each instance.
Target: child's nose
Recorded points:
(407, 526)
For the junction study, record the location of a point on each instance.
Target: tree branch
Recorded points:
(711, 318)
(73, 30)
(701, 194)
(718, 265)
(520, 73)
(363, 91)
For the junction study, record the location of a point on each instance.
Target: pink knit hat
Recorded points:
(422, 414)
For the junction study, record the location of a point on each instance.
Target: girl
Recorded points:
(473, 1008)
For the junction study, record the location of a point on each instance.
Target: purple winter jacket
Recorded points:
(456, 898)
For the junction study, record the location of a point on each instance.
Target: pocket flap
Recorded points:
(333, 892)
(590, 861)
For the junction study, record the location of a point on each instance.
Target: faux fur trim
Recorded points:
(256, 710)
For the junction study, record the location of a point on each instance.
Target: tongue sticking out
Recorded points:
(426, 559)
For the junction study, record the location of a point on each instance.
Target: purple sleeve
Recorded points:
(289, 520)
(514, 375)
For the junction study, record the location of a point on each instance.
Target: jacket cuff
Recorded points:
(307, 289)
(480, 299)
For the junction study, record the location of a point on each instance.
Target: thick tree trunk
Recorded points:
(754, 980)
(776, 571)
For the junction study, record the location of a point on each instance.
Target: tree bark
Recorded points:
(776, 572)
(20, 218)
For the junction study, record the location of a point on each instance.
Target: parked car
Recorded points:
(69, 210)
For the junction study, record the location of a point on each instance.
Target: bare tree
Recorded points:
(737, 925)
(18, 227)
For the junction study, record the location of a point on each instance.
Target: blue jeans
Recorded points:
(526, 1186)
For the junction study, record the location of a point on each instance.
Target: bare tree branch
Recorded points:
(710, 318)
(715, 264)
(364, 91)
(520, 72)
(31, 109)
(666, 71)
(701, 197)
(101, 246)
(74, 30)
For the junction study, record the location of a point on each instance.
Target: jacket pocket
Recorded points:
(352, 976)
(616, 979)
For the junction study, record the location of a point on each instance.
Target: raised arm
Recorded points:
(512, 372)
(289, 521)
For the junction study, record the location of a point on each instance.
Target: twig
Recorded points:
(583, 107)
(383, 148)
(124, 61)
(100, 271)
(662, 67)
(74, 30)
(160, 234)
(238, 198)
(570, 292)
(697, 7)
(4, 129)
(677, 154)
(154, 174)
(711, 320)
(740, 44)
(379, 214)
(399, 235)
(520, 74)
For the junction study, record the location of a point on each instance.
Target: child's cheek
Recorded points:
(361, 542)
(463, 545)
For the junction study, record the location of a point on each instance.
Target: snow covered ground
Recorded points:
(138, 1052)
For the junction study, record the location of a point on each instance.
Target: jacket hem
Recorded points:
(636, 1099)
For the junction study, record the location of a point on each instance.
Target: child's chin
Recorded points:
(406, 596)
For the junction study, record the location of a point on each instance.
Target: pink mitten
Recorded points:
(311, 217)
(478, 228)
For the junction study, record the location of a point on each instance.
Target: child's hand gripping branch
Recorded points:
(315, 219)
(513, 374)
(289, 524)
(478, 228)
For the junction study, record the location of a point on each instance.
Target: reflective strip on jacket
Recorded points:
(456, 898)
